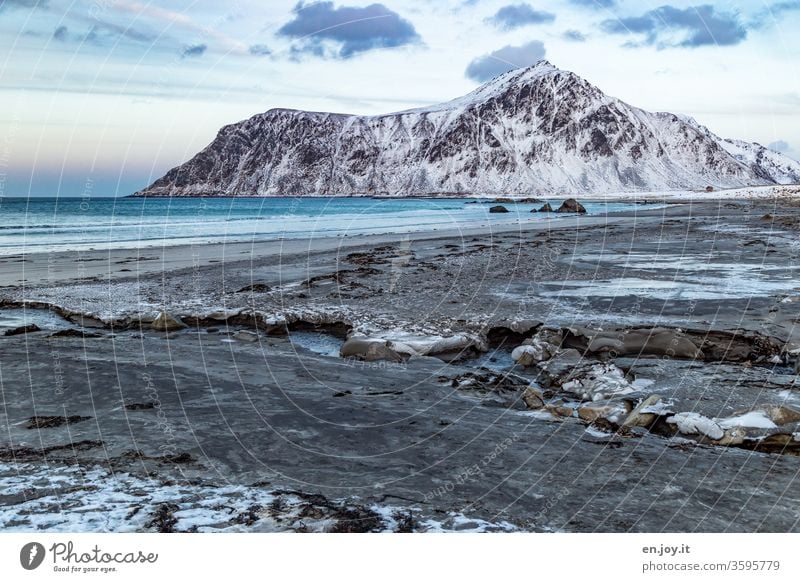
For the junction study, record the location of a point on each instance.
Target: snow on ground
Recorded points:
(74, 499)
(752, 419)
(775, 192)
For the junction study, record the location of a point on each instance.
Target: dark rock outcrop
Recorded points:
(570, 205)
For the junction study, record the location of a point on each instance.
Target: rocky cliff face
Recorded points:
(538, 130)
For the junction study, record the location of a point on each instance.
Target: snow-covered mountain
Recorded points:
(538, 130)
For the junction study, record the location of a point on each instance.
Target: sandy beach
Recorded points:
(629, 372)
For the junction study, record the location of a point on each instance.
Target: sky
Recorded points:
(101, 97)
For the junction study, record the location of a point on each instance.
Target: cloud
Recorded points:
(115, 30)
(574, 36)
(519, 15)
(769, 15)
(60, 34)
(259, 50)
(779, 146)
(23, 4)
(595, 4)
(343, 32)
(669, 27)
(783, 147)
(194, 50)
(506, 59)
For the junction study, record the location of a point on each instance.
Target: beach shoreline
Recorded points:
(434, 413)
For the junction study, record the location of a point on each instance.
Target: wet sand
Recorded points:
(249, 407)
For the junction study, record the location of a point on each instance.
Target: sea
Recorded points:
(30, 225)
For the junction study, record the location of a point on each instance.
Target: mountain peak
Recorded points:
(523, 74)
(494, 87)
(535, 129)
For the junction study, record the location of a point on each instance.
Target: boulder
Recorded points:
(655, 341)
(498, 209)
(561, 364)
(448, 349)
(612, 411)
(246, 336)
(546, 208)
(369, 350)
(571, 205)
(167, 322)
(597, 382)
(30, 328)
(782, 414)
(533, 351)
(559, 409)
(644, 415)
(532, 398)
(733, 436)
(504, 200)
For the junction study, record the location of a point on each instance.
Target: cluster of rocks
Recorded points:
(569, 206)
(398, 347)
(499, 389)
(607, 398)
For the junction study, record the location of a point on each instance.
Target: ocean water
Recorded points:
(29, 225)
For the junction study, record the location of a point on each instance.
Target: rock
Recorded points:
(166, 322)
(369, 350)
(560, 409)
(275, 325)
(780, 442)
(733, 436)
(497, 389)
(571, 205)
(647, 412)
(255, 288)
(504, 200)
(512, 332)
(612, 411)
(498, 209)
(74, 333)
(561, 364)
(30, 328)
(597, 382)
(782, 414)
(222, 315)
(448, 349)
(526, 355)
(53, 421)
(246, 336)
(694, 423)
(532, 352)
(532, 398)
(546, 208)
(655, 341)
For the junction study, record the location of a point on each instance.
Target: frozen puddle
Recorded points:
(686, 288)
(493, 360)
(655, 262)
(20, 317)
(320, 343)
(79, 499)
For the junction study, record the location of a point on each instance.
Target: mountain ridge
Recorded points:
(536, 130)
